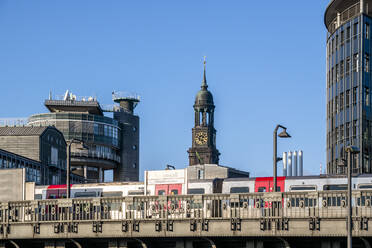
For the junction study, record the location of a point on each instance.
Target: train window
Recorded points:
(262, 189)
(174, 192)
(113, 194)
(85, 194)
(38, 196)
(302, 188)
(195, 191)
(335, 187)
(161, 192)
(365, 186)
(239, 190)
(52, 196)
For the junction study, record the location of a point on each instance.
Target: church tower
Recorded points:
(203, 149)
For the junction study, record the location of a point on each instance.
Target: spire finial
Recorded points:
(204, 83)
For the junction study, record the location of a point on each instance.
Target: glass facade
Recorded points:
(86, 127)
(348, 89)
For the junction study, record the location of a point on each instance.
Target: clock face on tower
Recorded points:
(201, 138)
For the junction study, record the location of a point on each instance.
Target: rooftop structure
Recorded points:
(72, 103)
(82, 118)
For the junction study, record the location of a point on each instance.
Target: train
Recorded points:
(206, 186)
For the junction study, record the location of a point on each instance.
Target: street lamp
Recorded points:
(283, 134)
(350, 150)
(81, 146)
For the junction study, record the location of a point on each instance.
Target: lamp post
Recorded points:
(351, 150)
(68, 168)
(283, 134)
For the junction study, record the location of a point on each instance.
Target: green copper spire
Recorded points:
(204, 85)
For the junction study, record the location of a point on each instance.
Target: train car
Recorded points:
(204, 186)
(238, 185)
(117, 189)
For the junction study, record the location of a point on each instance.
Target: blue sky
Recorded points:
(265, 66)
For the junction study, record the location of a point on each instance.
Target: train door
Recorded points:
(161, 189)
(279, 184)
(168, 189)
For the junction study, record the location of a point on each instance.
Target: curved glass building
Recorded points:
(107, 139)
(348, 82)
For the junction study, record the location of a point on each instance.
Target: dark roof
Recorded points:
(22, 131)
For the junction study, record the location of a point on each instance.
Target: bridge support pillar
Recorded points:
(184, 244)
(117, 244)
(54, 244)
(254, 244)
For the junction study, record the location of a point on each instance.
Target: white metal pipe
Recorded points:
(294, 161)
(289, 171)
(284, 164)
(301, 162)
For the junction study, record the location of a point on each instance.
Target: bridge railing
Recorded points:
(326, 204)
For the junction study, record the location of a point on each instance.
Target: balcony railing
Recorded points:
(97, 155)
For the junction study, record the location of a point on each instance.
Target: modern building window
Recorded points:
(342, 132)
(336, 133)
(366, 27)
(336, 102)
(342, 68)
(342, 36)
(355, 95)
(366, 62)
(336, 42)
(366, 95)
(347, 98)
(348, 33)
(337, 74)
(134, 165)
(347, 65)
(341, 101)
(355, 62)
(355, 123)
(355, 29)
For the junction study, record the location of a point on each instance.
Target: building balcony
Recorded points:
(95, 159)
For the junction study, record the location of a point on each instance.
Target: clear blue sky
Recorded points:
(265, 66)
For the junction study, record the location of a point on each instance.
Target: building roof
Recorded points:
(22, 131)
(91, 107)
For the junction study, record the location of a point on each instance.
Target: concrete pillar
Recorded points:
(54, 244)
(254, 244)
(85, 172)
(184, 244)
(117, 244)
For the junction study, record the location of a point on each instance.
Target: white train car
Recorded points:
(238, 185)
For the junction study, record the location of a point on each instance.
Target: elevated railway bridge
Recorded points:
(254, 220)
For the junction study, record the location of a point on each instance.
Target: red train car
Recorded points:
(266, 184)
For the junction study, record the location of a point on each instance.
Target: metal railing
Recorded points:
(332, 204)
(97, 155)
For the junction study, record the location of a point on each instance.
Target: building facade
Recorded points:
(40, 150)
(348, 83)
(109, 143)
(203, 149)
